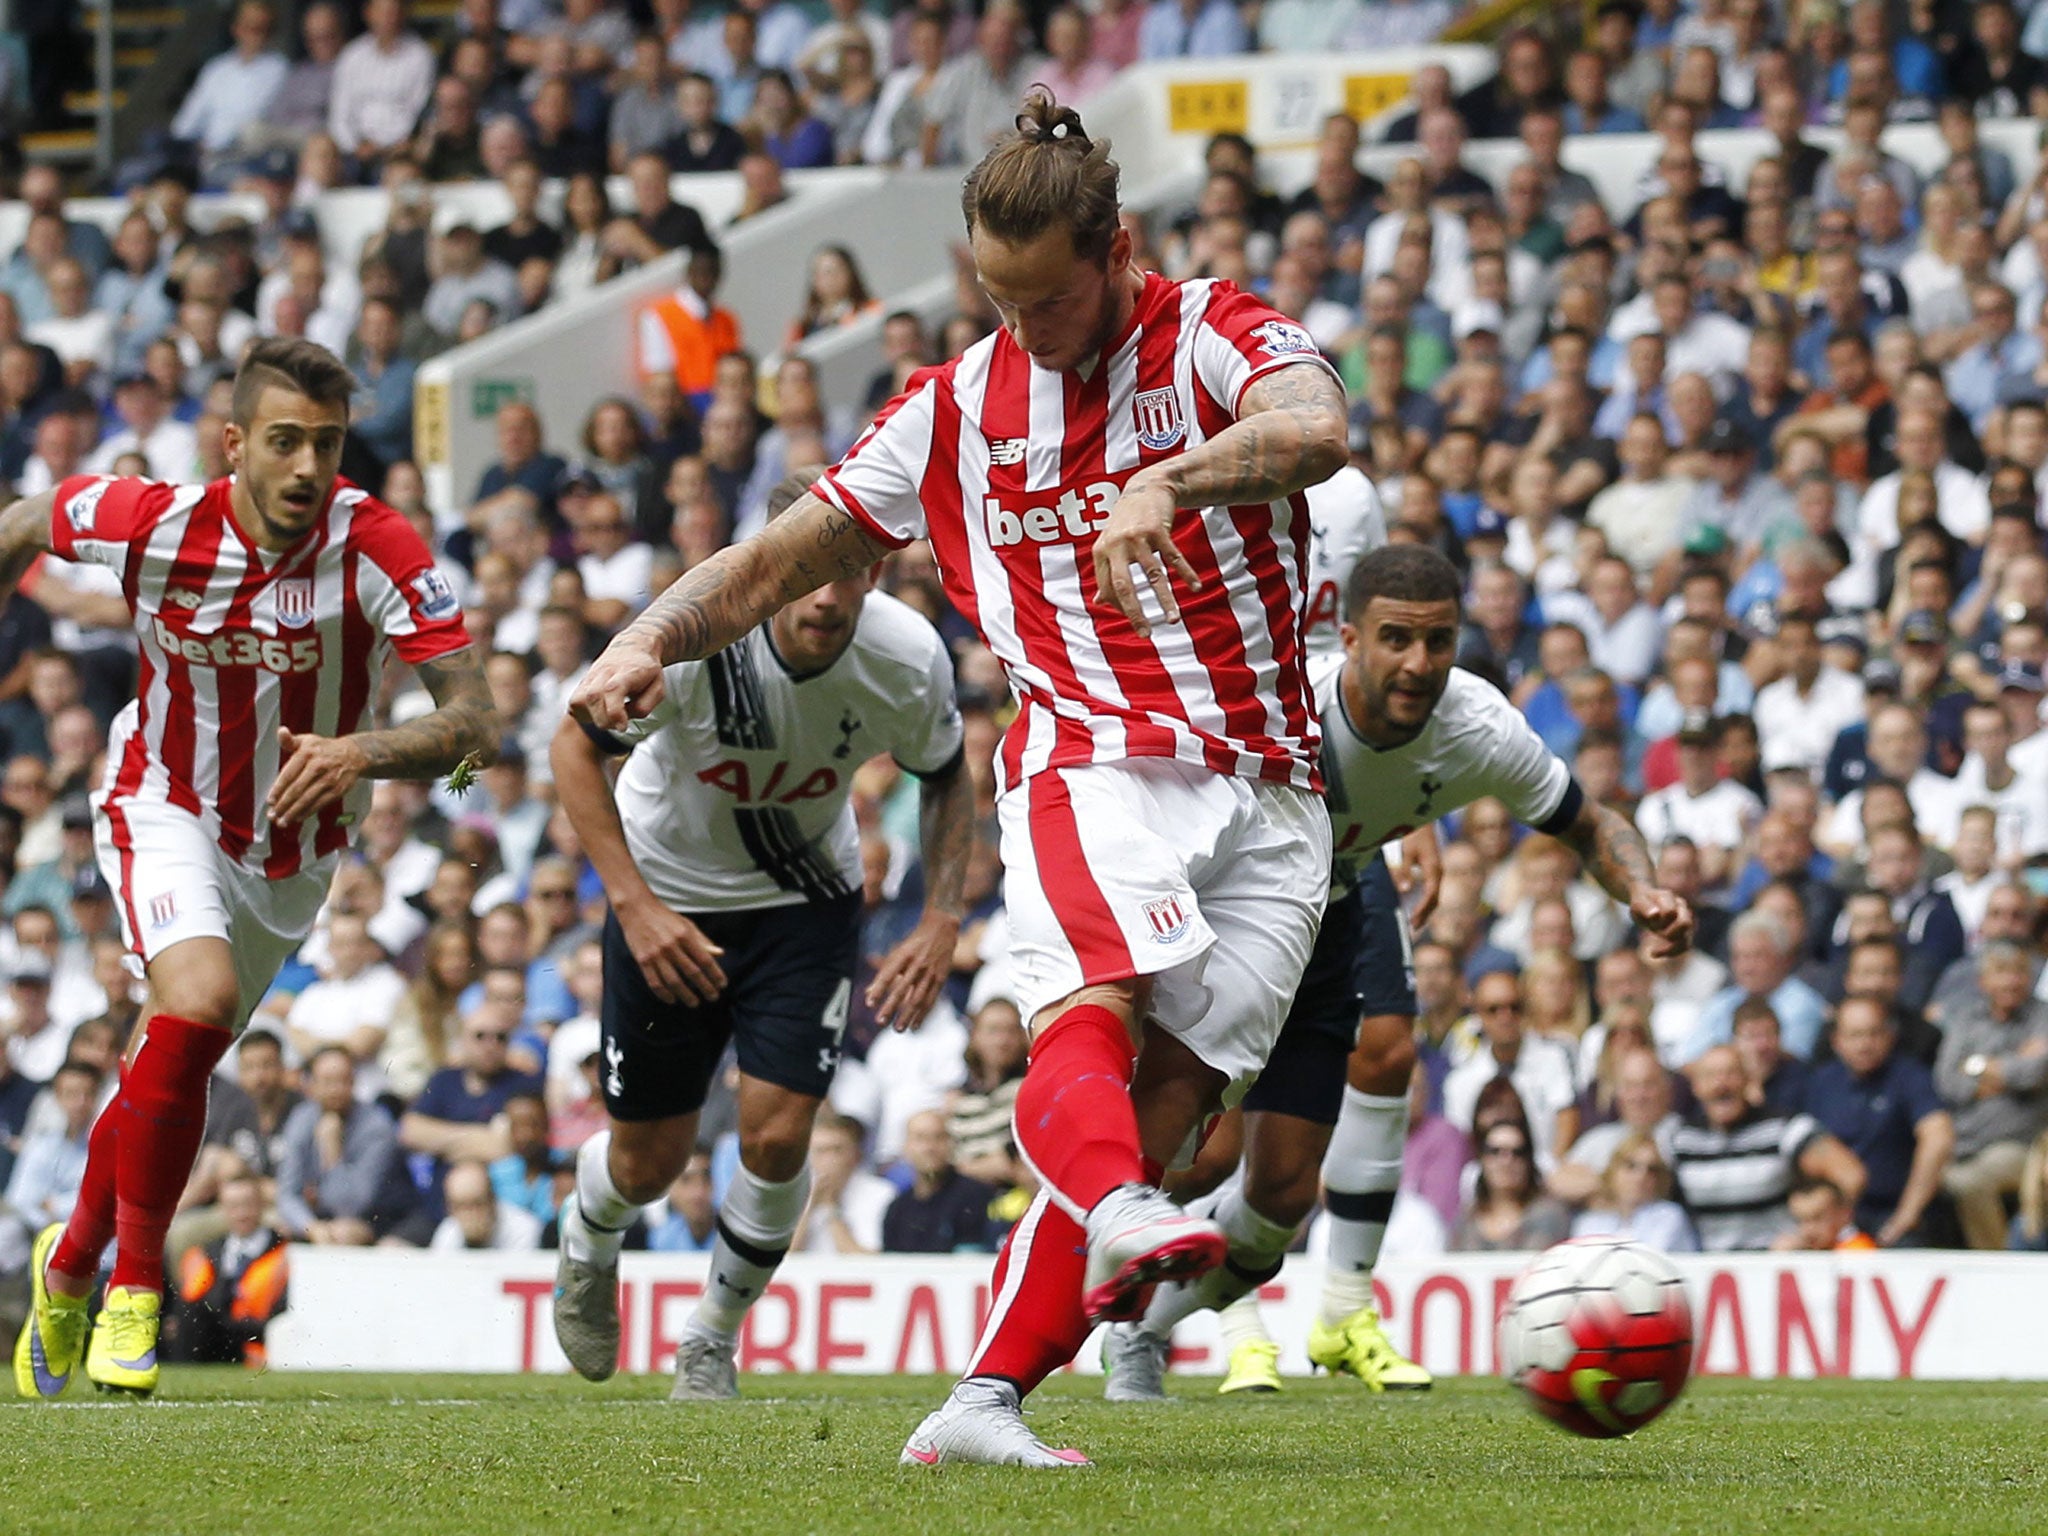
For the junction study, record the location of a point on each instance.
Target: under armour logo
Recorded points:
(1429, 786)
(744, 1292)
(614, 1059)
(849, 722)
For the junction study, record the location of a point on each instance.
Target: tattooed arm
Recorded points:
(1293, 434)
(24, 535)
(714, 604)
(463, 725)
(1615, 854)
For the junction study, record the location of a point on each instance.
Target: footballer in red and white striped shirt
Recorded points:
(1166, 854)
(266, 606)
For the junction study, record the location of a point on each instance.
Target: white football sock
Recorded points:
(595, 1227)
(1257, 1246)
(1243, 1323)
(754, 1228)
(1361, 1172)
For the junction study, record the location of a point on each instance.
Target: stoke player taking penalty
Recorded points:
(1166, 856)
(266, 606)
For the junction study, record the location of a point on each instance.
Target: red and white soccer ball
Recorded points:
(1598, 1333)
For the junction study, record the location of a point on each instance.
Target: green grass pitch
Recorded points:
(224, 1451)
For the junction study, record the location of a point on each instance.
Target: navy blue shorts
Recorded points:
(1360, 968)
(788, 989)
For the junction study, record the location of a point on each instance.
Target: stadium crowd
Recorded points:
(1747, 474)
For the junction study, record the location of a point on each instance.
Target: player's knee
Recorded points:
(1384, 1057)
(642, 1170)
(201, 995)
(775, 1150)
(1283, 1192)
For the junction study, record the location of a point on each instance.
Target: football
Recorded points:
(1598, 1333)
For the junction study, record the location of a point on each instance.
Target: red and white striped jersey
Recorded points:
(237, 642)
(1012, 469)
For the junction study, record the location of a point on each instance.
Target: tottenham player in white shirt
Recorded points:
(1407, 739)
(728, 848)
(1346, 522)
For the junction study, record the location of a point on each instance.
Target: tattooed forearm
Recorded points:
(945, 836)
(1292, 435)
(463, 725)
(24, 534)
(1613, 850)
(712, 605)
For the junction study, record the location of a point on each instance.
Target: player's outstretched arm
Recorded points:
(24, 535)
(715, 603)
(462, 727)
(1616, 855)
(909, 978)
(1292, 433)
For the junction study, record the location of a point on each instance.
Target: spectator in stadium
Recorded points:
(1762, 958)
(529, 1177)
(37, 1044)
(2008, 919)
(700, 140)
(1634, 1200)
(341, 1176)
(847, 1202)
(233, 91)
(463, 273)
(458, 1114)
(974, 100)
(837, 294)
(1508, 1211)
(352, 1002)
(1736, 1161)
(43, 1185)
(1777, 1081)
(1884, 1107)
(943, 1210)
(783, 126)
(1192, 29)
(1715, 814)
(228, 1289)
(896, 127)
(1823, 1221)
(688, 1219)
(1642, 1106)
(381, 84)
(1799, 714)
(382, 409)
(658, 224)
(1540, 1069)
(170, 446)
(298, 108)
(1926, 918)
(522, 464)
(1075, 72)
(478, 1219)
(1992, 1072)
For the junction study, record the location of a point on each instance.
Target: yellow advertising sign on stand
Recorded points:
(1367, 96)
(430, 423)
(1208, 106)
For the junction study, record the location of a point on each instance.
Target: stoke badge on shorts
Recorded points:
(1168, 919)
(1156, 415)
(163, 910)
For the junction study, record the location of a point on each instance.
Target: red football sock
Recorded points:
(1074, 1118)
(1035, 1324)
(91, 1227)
(164, 1099)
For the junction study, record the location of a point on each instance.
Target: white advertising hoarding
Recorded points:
(1884, 1317)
